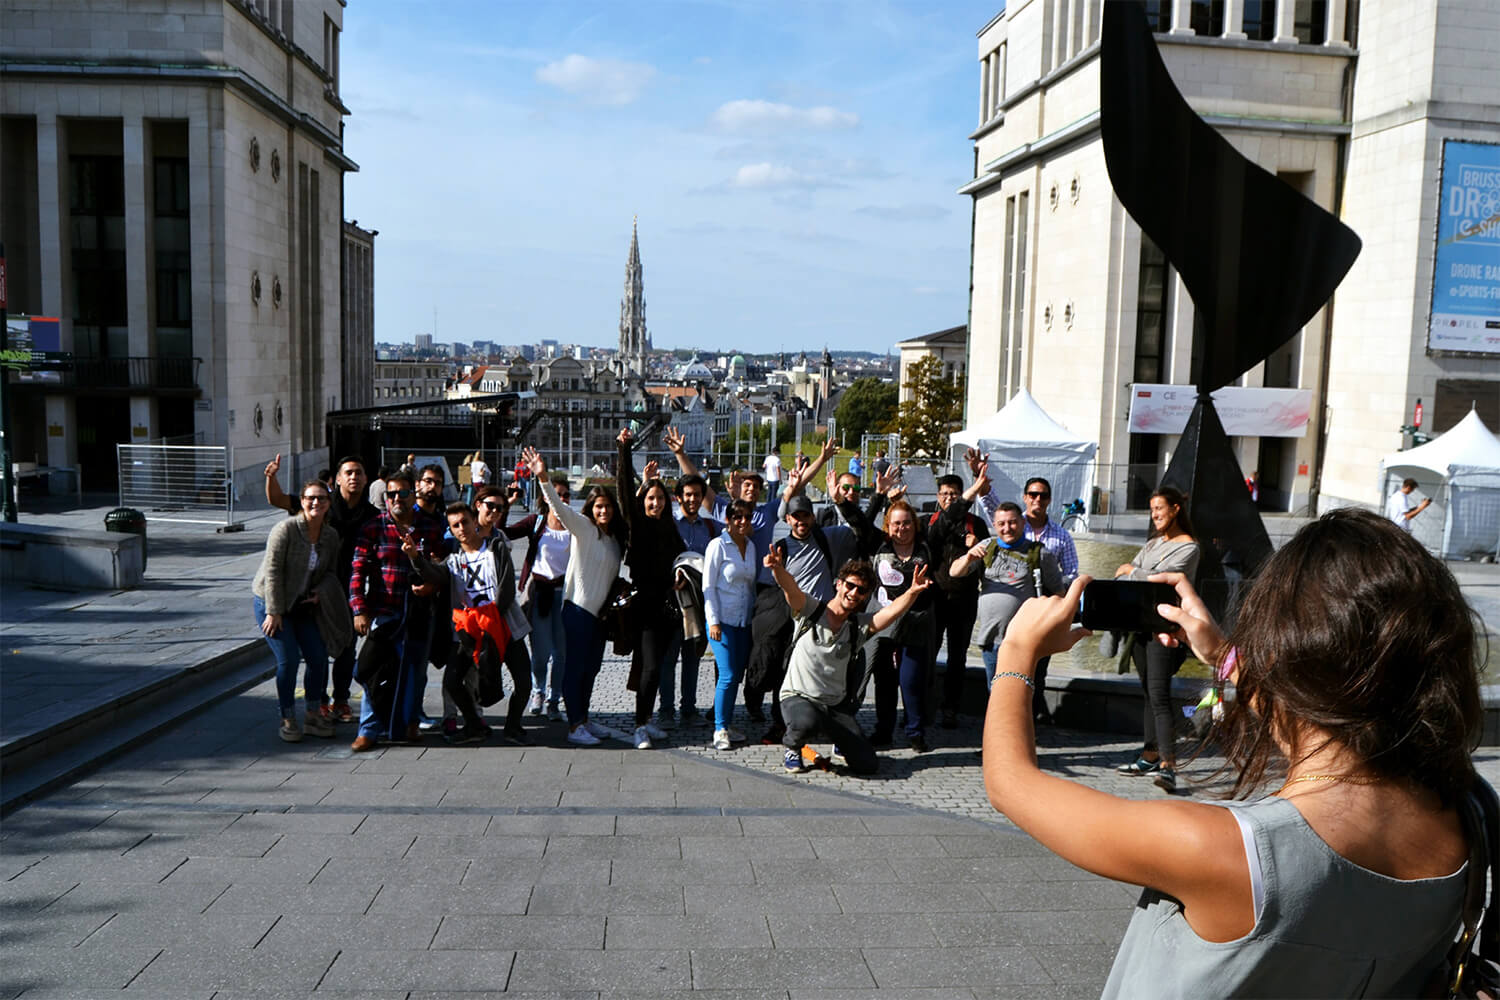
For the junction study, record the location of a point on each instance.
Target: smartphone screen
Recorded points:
(1126, 606)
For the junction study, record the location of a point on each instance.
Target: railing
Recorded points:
(177, 482)
(153, 372)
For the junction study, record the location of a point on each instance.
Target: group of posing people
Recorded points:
(853, 596)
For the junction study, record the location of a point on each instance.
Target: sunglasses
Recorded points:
(739, 517)
(857, 589)
(848, 486)
(398, 494)
(491, 505)
(315, 498)
(1039, 496)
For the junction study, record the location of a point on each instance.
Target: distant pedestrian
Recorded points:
(1252, 483)
(1401, 508)
(857, 470)
(466, 479)
(771, 467)
(524, 481)
(881, 465)
(291, 587)
(479, 475)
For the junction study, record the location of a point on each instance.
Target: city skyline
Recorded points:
(794, 169)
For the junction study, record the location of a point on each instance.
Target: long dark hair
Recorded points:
(617, 527)
(666, 496)
(1175, 498)
(1353, 628)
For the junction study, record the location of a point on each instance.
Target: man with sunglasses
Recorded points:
(823, 674)
(387, 598)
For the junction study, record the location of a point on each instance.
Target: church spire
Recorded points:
(634, 340)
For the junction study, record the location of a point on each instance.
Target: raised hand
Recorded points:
(884, 479)
(830, 448)
(773, 560)
(674, 440)
(273, 467)
(651, 471)
(830, 481)
(534, 461)
(920, 581)
(976, 461)
(624, 436)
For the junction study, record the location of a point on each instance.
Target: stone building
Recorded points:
(1348, 103)
(357, 322)
(171, 189)
(950, 347)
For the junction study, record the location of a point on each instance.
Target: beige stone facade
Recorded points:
(172, 192)
(1070, 304)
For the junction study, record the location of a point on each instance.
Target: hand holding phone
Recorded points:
(1126, 606)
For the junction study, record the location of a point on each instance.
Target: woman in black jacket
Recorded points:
(653, 547)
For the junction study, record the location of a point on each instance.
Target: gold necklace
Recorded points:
(1346, 779)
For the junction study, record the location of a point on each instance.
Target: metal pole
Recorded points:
(7, 469)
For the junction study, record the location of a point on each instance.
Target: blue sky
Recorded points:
(793, 166)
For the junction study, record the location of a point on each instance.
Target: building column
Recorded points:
(54, 262)
(1334, 37)
(1286, 22)
(1234, 18)
(211, 416)
(1181, 20)
(1090, 23)
(135, 144)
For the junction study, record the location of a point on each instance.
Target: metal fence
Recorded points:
(177, 482)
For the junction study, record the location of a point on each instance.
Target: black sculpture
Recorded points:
(1258, 260)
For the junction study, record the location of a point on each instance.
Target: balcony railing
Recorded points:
(134, 373)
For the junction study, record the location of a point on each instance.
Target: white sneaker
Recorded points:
(655, 732)
(642, 739)
(722, 739)
(602, 732)
(583, 737)
(534, 704)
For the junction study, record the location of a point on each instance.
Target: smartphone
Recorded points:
(1126, 606)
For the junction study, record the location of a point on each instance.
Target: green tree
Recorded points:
(867, 406)
(934, 410)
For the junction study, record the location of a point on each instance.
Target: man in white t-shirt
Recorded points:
(1400, 508)
(772, 468)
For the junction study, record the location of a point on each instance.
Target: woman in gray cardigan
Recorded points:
(301, 617)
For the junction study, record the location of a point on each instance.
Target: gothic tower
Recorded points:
(634, 340)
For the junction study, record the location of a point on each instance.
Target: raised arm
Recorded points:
(827, 451)
(966, 563)
(630, 497)
(795, 598)
(575, 522)
(1189, 850)
(275, 495)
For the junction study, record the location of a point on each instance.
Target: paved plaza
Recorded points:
(213, 860)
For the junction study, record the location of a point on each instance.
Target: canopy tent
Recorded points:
(1459, 469)
(1023, 441)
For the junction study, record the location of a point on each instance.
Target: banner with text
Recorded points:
(1466, 273)
(1244, 411)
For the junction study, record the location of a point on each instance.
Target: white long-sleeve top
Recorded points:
(728, 582)
(593, 558)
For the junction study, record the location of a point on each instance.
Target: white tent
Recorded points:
(1461, 470)
(1023, 441)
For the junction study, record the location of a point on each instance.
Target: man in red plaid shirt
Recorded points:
(391, 610)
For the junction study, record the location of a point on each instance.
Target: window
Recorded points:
(174, 293)
(1159, 15)
(1310, 21)
(331, 51)
(1259, 20)
(96, 205)
(1018, 300)
(1151, 314)
(1206, 17)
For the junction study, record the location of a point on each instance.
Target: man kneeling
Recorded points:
(818, 696)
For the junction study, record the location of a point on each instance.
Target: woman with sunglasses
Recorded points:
(300, 608)
(655, 544)
(597, 545)
(729, 570)
(1169, 548)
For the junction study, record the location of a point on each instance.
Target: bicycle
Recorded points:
(1074, 519)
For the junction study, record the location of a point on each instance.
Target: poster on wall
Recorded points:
(1465, 313)
(1245, 411)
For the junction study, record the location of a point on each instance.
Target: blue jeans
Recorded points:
(988, 655)
(690, 660)
(731, 653)
(548, 646)
(909, 669)
(298, 640)
(584, 656)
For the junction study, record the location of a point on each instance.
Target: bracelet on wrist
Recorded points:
(1018, 676)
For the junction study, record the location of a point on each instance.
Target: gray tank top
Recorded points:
(1328, 928)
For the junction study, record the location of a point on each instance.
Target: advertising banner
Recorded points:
(1244, 411)
(1466, 274)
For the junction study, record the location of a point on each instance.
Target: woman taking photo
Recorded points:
(594, 553)
(301, 610)
(1355, 663)
(729, 569)
(654, 546)
(1169, 548)
(904, 659)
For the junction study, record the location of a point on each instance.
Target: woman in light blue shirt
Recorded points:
(729, 568)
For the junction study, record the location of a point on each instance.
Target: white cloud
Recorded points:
(598, 81)
(770, 176)
(764, 116)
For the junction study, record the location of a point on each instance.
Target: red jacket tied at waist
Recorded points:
(479, 622)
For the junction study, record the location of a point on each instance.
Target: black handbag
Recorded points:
(1472, 968)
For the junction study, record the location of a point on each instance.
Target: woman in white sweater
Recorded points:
(593, 566)
(729, 568)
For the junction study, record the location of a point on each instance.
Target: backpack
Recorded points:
(855, 676)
